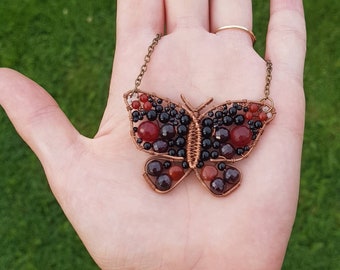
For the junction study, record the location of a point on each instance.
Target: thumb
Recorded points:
(36, 117)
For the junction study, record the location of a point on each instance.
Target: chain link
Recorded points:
(147, 59)
(268, 79)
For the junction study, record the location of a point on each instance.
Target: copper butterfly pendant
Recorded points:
(180, 139)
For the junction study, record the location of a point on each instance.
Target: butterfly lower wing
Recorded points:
(164, 174)
(219, 177)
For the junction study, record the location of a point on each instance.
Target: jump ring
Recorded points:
(226, 27)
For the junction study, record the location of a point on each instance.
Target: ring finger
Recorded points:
(231, 12)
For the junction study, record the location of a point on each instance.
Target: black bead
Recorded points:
(258, 124)
(217, 186)
(182, 130)
(210, 114)
(245, 109)
(140, 117)
(135, 129)
(171, 143)
(227, 120)
(159, 101)
(200, 164)
(159, 108)
(181, 152)
(206, 132)
(251, 122)
(172, 152)
(180, 142)
(135, 119)
(205, 155)
(206, 143)
(135, 114)
(246, 148)
(172, 106)
(163, 182)
(239, 107)
(214, 154)
(151, 115)
(167, 131)
(239, 119)
(164, 117)
(182, 111)
(216, 144)
(139, 140)
(221, 166)
(150, 99)
(207, 122)
(185, 165)
(147, 146)
(173, 113)
(154, 104)
(239, 151)
(166, 164)
(154, 168)
(232, 111)
(185, 120)
(219, 114)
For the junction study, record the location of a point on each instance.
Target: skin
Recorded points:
(98, 181)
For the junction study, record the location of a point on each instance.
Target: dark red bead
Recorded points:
(176, 173)
(222, 134)
(209, 173)
(147, 106)
(163, 182)
(135, 104)
(253, 107)
(148, 131)
(240, 136)
(143, 97)
(154, 168)
(160, 146)
(232, 175)
(217, 186)
(227, 150)
(167, 131)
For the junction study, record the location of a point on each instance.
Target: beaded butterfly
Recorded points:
(181, 139)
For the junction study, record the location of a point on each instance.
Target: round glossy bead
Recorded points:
(263, 116)
(185, 165)
(147, 106)
(206, 143)
(172, 152)
(217, 186)
(239, 119)
(253, 107)
(222, 134)
(216, 144)
(205, 155)
(209, 173)
(182, 130)
(154, 168)
(135, 104)
(167, 131)
(167, 164)
(185, 120)
(181, 152)
(214, 154)
(176, 173)
(143, 97)
(232, 111)
(221, 166)
(206, 132)
(240, 136)
(258, 124)
(151, 115)
(163, 182)
(207, 122)
(164, 117)
(180, 142)
(148, 131)
(231, 175)
(219, 114)
(227, 120)
(147, 146)
(160, 146)
(227, 150)
(158, 108)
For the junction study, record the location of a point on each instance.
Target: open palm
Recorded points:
(98, 182)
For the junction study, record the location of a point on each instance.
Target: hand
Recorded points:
(98, 182)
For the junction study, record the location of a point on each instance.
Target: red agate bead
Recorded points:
(253, 107)
(148, 131)
(135, 104)
(209, 173)
(143, 97)
(240, 136)
(147, 106)
(263, 116)
(176, 173)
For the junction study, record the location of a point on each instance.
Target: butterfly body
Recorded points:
(181, 139)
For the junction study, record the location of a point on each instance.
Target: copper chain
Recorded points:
(147, 59)
(151, 48)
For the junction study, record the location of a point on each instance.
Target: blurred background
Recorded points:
(67, 46)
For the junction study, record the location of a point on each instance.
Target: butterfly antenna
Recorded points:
(191, 108)
(186, 102)
(204, 104)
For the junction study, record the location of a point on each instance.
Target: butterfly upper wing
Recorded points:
(229, 133)
(159, 127)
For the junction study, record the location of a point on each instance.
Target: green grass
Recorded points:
(67, 47)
